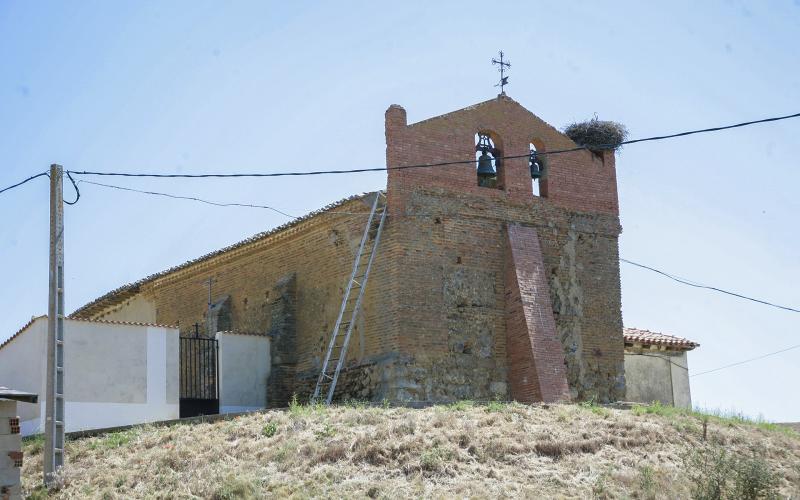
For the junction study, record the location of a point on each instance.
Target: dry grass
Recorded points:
(464, 450)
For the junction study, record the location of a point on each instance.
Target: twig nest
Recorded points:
(597, 135)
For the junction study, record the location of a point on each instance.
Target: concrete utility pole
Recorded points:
(54, 416)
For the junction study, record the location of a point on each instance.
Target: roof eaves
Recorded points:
(120, 322)
(19, 332)
(646, 337)
(117, 295)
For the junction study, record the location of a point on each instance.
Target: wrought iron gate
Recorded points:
(199, 374)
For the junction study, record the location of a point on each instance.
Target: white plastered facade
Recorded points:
(114, 373)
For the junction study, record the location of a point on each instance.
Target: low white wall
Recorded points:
(22, 366)
(114, 374)
(244, 367)
(661, 376)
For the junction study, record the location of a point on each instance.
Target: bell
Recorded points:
(536, 167)
(485, 168)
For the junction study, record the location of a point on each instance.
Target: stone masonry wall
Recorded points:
(451, 248)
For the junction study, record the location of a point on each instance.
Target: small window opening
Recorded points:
(488, 160)
(536, 163)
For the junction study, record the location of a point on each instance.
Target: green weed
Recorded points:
(235, 488)
(270, 429)
(327, 431)
(715, 473)
(647, 482)
(297, 409)
(593, 407)
(462, 405)
(495, 406)
(433, 459)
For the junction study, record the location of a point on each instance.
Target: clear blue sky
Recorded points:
(267, 86)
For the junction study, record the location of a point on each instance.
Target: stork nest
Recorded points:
(597, 135)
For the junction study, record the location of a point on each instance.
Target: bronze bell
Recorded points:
(485, 168)
(536, 166)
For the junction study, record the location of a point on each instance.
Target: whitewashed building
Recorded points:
(115, 372)
(657, 368)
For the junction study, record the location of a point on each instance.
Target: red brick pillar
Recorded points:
(535, 355)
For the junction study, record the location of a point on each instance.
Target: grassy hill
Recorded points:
(459, 450)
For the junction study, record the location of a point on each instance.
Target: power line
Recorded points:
(192, 198)
(684, 281)
(718, 368)
(746, 361)
(707, 287)
(23, 182)
(444, 163)
(77, 191)
(402, 167)
(712, 129)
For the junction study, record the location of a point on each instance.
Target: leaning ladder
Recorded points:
(337, 348)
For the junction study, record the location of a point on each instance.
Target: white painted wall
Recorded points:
(244, 367)
(658, 376)
(137, 309)
(114, 374)
(22, 367)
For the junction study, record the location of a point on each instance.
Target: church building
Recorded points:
(495, 274)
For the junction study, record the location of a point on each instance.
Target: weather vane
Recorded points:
(503, 78)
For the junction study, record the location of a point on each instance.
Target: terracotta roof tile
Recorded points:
(105, 321)
(116, 322)
(252, 334)
(18, 332)
(120, 293)
(646, 337)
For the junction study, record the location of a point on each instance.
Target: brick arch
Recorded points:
(574, 180)
(540, 147)
(499, 151)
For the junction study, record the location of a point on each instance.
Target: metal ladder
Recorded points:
(337, 348)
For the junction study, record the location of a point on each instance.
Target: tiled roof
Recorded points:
(105, 321)
(19, 332)
(252, 334)
(121, 293)
(117, 322)
(646, 337)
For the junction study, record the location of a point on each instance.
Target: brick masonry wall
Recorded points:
(535, 355)
(578, 181)
(451, 249)
(433, 324)
(319, 253)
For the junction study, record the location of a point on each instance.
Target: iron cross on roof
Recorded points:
(503, 78)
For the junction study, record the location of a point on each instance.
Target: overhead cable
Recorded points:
(23, 182)
(248, 205)
(745, 361)
(439, 164)
(707, 287)
(192, 198)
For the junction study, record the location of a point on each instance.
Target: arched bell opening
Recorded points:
(538, 168)
(488, 155)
